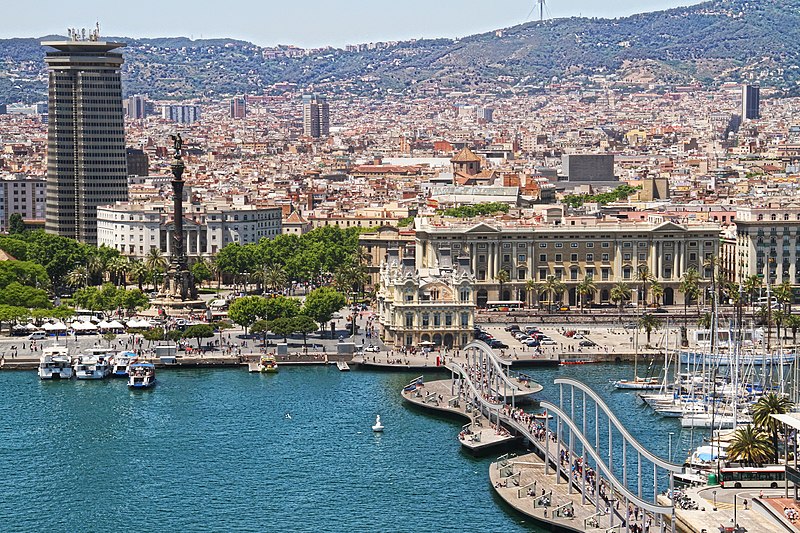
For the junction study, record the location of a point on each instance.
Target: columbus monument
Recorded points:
(179, 290)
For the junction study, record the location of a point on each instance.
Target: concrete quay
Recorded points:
(482, 438)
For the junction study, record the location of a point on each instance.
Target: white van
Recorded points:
(37, 336)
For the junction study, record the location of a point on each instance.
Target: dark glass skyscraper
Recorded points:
(86, 163)
(751, 102)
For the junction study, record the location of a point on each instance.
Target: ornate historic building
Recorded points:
(433, 304)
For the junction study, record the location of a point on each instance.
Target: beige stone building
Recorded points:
(426, 304)
(569, 249)
(768, 242)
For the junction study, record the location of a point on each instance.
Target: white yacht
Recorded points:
(55, 363)
(120, 362)
(94, 365)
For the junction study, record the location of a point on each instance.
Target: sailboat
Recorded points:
(638, 383)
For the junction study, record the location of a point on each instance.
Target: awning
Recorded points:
(790, 419)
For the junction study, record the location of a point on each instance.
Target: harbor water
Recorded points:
(224, 450)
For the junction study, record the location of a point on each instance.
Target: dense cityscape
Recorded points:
(599, 274)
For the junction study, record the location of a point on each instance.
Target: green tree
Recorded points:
(78, 277)
(15, 224)
(18, 295)
(274, 278)
(156, 264)
(281, 307)
(198, 332)
(283, 327)
(260, 327)
(304, 325)
(174, 335)
(137, 272)
(12, 314)
(322, 303)
(793, 323)
(130, 300)
(554, 287)
(749, 446)
(244, 311)
(752, 286)
(643, 276)
(584, 289)
(201, 272)
(532, 287)
(117, 268)
(620, 293)
(649, 323)
(657, 290)
(766, 406)
(153, 335)
(690, 287)
(502, 278)
(109, 337)
(784, 295)
(704, 322)
(24, 272)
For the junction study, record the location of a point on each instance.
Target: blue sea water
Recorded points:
(213, 450)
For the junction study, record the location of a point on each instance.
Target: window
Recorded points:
(589, 258)
(464, 320)
(521, 273)
(506, 258)
(464, 295)
(626, 257)
(559, 245)
(437, 320)
(590, 245)
(692, 256)
(558, 258)
(605, 274)
(604, 257)
(573, 274)
(448, 319)
(542, 273)
(543, 258)
(542, 245)
(481, 259)
(481, 275)
(626, 273)
(521, 258)
(573, 258)
(573, 245)
(409, 320)
(642, 257)
(626, 245)
(605, 245)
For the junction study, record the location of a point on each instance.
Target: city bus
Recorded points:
(504, 305)
(761, 477)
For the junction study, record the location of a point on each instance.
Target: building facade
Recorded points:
(768, 242)
(570, 250)
(24, 195)
(135, 228)
(238, 107)
(316, 117)
(136, 107)
(86, 164)
(181, 113)
(426, 305)
(751, 102)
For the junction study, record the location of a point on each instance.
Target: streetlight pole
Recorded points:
(715, 499)
(735, 522)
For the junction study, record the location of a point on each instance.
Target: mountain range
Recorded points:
(707, 43)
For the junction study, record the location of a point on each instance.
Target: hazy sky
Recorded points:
(307, 23)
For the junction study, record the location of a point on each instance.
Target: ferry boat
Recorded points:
(266, 365)
(141, 375)
(55, 363)
(95, 364)
(120, 364)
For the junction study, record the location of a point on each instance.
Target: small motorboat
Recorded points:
(542, 416)
(141, 375)
(120, 364)
(342, 366)
(55, 363)
(378, 427)
(266, 365)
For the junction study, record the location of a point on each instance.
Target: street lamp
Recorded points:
(715, 499)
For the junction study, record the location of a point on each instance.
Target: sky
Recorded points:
(305, 23)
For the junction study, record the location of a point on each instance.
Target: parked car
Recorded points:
(37, 336)
(587, 342)
(512, 327)
(372, 348)
(570, 333)
(630, 325)
(498, 344)
(547, 342)
(660, 310)
(533, 343)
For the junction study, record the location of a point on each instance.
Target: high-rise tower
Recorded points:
(751, 102)
(316, 116)
(86, 164)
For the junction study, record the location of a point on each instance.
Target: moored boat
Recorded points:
(55, 363)
(141, 375)
(638, 383)
(119, 368)
(95, 364)
(266, 365)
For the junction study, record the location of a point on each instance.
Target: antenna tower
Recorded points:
(541, 9)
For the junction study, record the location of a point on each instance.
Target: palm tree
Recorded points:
(117, 267)
(78, 277)
(502, 278)
(752, 285)
(750, 446)
(137, 272)
(216, 273)
(704, 322)
(767, 405)
(531, 286)
(657, 290)
(274, 277)
(649, 323)
(96, 267)
(783, 293)
(553, 286)
(585, 288)
(620, 293)
(779, 316)
(793, 323)
(155, 263)
(643, 276)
